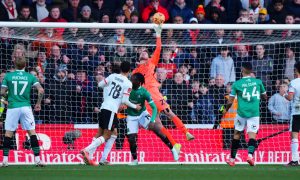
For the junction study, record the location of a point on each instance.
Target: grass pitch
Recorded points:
(153, 172)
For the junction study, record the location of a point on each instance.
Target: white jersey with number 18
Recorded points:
(294, 87)
(116, 85)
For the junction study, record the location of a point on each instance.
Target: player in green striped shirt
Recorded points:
(17, 85)
(248, 90)
(136, 118)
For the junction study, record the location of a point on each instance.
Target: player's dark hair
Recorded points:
(20, 63)
(138, 77)
(125, 67)
(115, 68)
(247, 66)
(297, 67)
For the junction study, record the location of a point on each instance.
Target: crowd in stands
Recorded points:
(195, 80)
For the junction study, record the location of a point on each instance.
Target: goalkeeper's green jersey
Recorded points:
(139, 96)
(19, 85)
(248, 91)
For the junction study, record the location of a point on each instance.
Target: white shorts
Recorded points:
(24, 114)
(251, 123)
(133, 122)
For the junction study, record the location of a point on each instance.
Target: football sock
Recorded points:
(251, 147)
(6, 147)
(92, 151)
(35, 145)
(132, 138)
(234, 147)
(108, 146)
(96, 143)
(164, 138)
(294, 148)
(168, 135)
(178, 123)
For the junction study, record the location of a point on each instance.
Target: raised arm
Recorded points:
(156, 54)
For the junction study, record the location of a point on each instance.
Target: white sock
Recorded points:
(250, 156)
(97, 142)
(108, 146)
(5, 159)
(37, 159)
(92, 151)
(294, 149)
(232, 160)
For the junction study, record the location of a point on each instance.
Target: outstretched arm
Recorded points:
(156, 54)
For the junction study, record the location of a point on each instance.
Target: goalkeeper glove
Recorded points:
(158, 29)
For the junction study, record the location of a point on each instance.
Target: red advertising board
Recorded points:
(206, 148)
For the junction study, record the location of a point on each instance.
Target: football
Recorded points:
(158, 18)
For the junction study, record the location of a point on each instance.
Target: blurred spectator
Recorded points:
(25, 15)
(152, 8)
(223, 65)
(120, 55)
(167, 64)
(6, 47)
(86, 14)
(277, 12)
(200, 15)
(55, 58)
(78, 53)
(245, 17)
(128, 8)
(71, 34)
(241, 55)
(215, 12)
(40, 63)
(72, 12)
(246, 3)
(180, 9)
(238, 36)
(204, 107)
(164, 3)
(94, 35)
(263, 17)
(46, 39)
(290, 61)
(105, 18)
(254, 8)
(57, 100)
(55, 16)
(263, 67)
(82, 106)
(119, 38)
(227, 120)
(293, 7)
(98, 10)
(279, 106)
(134, 17)
(180, 98)
(192, 35)
(184, 70)
(8, 10)
(120, 16)
(218, 91)
(178, 34)
(232, 10)
(289, 19)
(31, 2)
(39, 10)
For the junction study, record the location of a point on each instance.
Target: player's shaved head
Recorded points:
(137, 80)
(247, 68)
(20, 63)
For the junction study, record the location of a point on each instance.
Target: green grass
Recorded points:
(153, 172)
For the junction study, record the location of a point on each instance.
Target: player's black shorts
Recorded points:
(107, 119)
(296, 123)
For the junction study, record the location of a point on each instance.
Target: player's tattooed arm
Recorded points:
(40, 93)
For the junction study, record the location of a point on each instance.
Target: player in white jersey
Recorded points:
(116, 91)
(294, 96)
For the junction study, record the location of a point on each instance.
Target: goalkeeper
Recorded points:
(146, 66)
(141, 117)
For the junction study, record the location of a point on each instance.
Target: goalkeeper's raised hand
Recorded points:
(158, 29)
